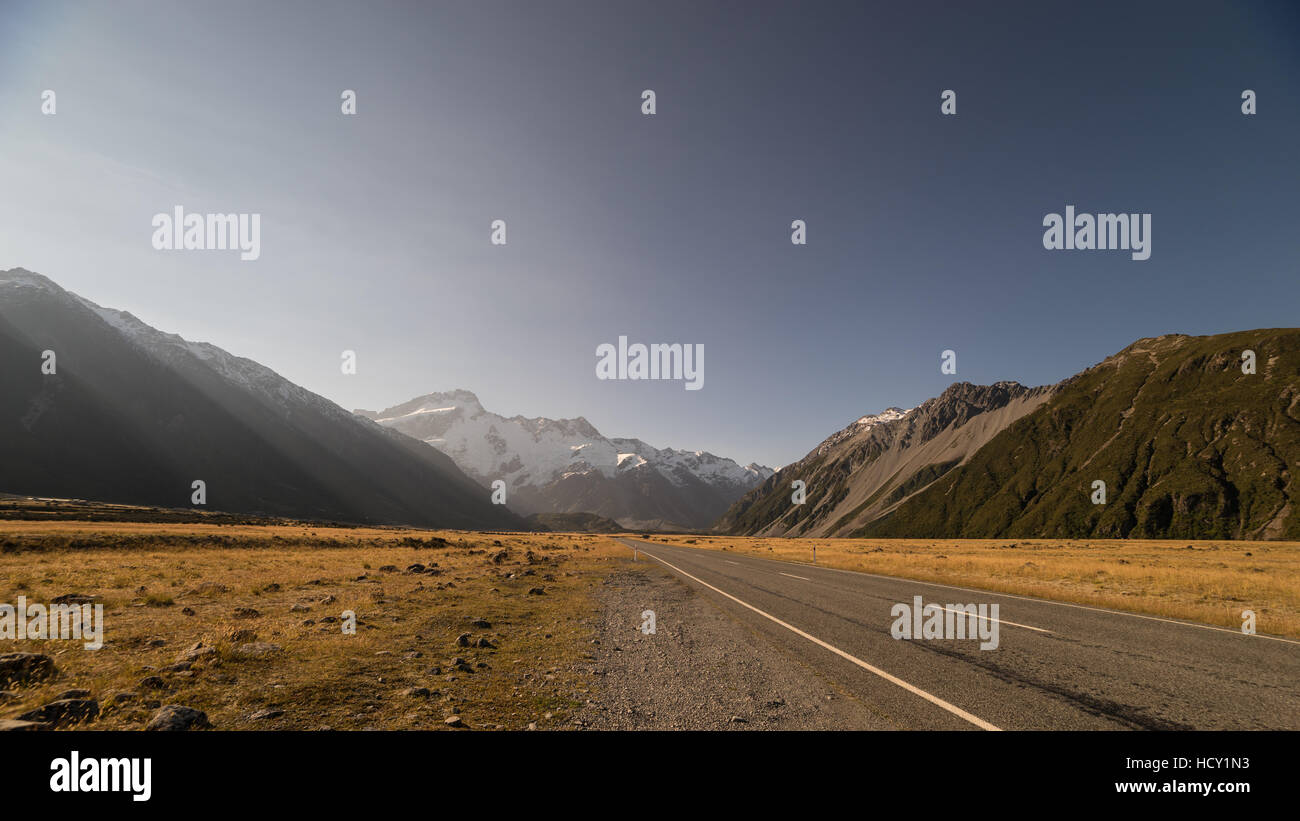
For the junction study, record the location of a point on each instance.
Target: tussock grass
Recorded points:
(166, 586)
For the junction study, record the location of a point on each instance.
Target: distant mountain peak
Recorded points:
(23, 278)
(567, 465)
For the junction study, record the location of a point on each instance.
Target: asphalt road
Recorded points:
(1057, 666)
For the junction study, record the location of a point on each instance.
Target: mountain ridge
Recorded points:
(1187, 444)
(568, 466)
(134, 415)
(870, 466)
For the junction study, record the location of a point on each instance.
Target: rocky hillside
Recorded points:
(1188, 447)
(867, 469)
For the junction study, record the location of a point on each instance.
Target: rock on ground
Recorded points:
(174, 717)
(25, 668)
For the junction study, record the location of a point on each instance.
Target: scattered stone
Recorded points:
(500, 556)
(416, 568)
(328, 599)
(271, 588)
(416, 692)
(175, 717)
(74, 598)
(246, 613)
(242, 636)
(9, 725)
(738, 720)
(152, 683)
(389, 568)
(462, 640)
(536, 591)
(187, 611)
(483, 642)
(299, 608)
(76, 693)
(482, 624)
(178, 667)
(25, 668)
(262, 715)
(453, 721)
(195, 652)
(64, 712)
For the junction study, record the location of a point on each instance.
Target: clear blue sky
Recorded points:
(924, 231)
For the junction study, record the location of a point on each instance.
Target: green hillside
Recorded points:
(1188, 446)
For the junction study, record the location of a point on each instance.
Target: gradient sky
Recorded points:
(924, 231)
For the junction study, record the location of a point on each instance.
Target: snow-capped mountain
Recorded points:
(567, 466)
(862, 425)
(131, 414)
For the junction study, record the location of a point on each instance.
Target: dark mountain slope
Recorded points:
(1188, 446)
(134, 415)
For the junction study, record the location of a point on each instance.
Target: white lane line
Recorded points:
(990, 618)
(933, 699)
(1022, 598)
(793, 576)
(729, 561)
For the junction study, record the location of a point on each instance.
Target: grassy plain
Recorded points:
(269, 599)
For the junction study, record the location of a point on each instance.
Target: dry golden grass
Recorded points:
(1208, 582)
(148, 575)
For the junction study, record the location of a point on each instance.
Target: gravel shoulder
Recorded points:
(701, 669)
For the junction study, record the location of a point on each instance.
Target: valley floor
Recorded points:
(245, 623)
(454, 630)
